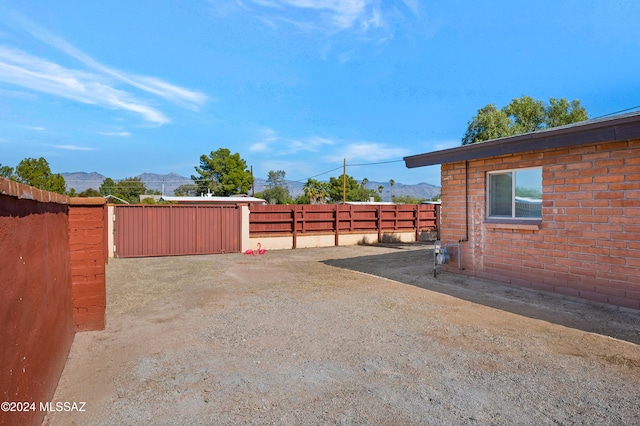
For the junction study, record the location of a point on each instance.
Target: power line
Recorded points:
(351, 165)
(618, 112)
(320, 174)
(375, 164)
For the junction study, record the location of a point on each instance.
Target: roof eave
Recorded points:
(593, 131)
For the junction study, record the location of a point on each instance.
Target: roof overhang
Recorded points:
(610, 129)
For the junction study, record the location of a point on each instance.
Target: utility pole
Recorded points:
(253, 186)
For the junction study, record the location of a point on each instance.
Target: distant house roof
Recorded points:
(214, 200)
(613, 128)
(369, 203)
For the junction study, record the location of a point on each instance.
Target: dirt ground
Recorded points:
(344, 335)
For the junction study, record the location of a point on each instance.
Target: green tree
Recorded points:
(186, 190)
(316, 191)
(408, 199)
(367, 194)
(365, 181)
(152, 201)
(276, 195)
(277, 191)
(490, 123)
(526, 114)
(355, 191)
(522, 115)
(560, 112)
(6, 171)
(276, 178)
(90, 192)
(391, 184)
(224, 173)
(36, 172)
(301, 199)
(337, 186)
(128, 189)
(108, 187)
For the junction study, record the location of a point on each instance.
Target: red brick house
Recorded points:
(555, 210)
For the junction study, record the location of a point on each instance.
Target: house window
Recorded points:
(515, 194)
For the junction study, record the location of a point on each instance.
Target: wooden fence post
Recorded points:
(295, 224)
(379, 213)
(416, 220)
(336, 212)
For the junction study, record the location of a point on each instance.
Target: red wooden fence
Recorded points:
(274, 220)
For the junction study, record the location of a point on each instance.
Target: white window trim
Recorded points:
(513, 197)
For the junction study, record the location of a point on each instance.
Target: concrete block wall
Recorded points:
(587, 244)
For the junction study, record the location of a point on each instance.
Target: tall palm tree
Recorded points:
(391, 183)
(365, 181)
(316, 191)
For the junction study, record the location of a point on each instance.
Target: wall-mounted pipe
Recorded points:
(466, 206)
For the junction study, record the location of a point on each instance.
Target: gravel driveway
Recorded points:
(344, 335)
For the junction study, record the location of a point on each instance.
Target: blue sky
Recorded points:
(127, 87)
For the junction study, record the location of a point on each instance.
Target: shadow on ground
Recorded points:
(413, 264)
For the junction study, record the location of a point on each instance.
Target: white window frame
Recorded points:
(513, 196)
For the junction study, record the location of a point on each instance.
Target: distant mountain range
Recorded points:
(167, 184)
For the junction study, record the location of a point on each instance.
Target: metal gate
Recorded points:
(172, 230)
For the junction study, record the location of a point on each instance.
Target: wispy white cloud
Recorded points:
(310, 144)
(345, 56)
(118, 134)
(152, 85)
(165, 90)
(331, 15)
(269, 135)
(301, 156)
(74, 147)
(22, 69)
(366, 151)
(95, 84)
(259, 147)
(270, 141)
(295, 169)
(267, 138)
(413, 6)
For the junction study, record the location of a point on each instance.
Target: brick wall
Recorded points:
(36, 325)
(88, 255)
(588, 242)
(45, 243)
